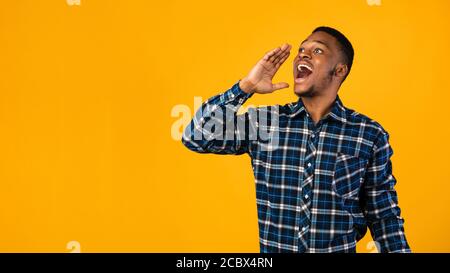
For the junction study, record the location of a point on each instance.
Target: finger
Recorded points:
(285, 49)
(282, 57)
(275, 56)
(285, 46)
(280, 85)
(271, 53)
(279, 53)
(282, 60)
(278, 57)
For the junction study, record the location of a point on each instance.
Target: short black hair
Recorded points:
(346, 46)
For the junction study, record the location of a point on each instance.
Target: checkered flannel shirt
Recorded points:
(321, 186)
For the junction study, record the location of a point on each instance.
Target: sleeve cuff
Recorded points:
(237, 93)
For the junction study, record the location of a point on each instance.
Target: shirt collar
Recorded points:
(337, 111)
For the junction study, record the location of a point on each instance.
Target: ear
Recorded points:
(341, 70)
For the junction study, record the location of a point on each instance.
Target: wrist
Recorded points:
(246, 86)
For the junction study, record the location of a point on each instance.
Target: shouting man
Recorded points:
(323, 174)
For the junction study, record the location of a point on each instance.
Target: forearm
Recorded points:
(382, 211)
(390, 235)
(384, 219)
(218, 112)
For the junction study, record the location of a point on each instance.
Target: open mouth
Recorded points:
(304, 71)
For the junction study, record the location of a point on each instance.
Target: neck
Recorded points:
(318, 106)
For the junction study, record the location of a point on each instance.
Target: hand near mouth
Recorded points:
(259, 79)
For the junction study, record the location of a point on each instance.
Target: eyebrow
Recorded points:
(316, 41)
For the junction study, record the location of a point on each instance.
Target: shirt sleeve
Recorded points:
(216, 127)
(381, 203)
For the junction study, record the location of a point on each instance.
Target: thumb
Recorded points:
(280, 85)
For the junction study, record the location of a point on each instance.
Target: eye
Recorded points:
(318, 51)
(301, 50)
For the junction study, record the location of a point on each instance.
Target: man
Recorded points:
(326, 175)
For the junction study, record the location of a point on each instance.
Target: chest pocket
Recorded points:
(348, 175)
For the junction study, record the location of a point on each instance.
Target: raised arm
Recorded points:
(216, 127)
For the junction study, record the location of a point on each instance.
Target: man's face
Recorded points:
(318, 57)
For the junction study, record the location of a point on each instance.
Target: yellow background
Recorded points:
(86, 94)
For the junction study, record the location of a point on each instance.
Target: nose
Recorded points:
(304, 55)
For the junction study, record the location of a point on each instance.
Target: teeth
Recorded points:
(299, 67)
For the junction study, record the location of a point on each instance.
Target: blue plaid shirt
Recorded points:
(323, 184)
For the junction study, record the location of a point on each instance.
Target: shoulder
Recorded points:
(373, 130)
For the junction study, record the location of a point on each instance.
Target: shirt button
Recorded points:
(303, 228)
(313, 135)
(306, 196)
(232, 95)
(309, 164)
